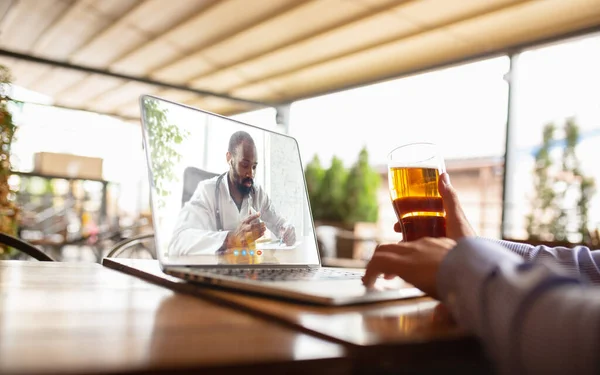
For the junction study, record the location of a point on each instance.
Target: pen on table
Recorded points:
(252, 211)
(281, 233)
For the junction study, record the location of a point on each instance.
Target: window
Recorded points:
(553, 84)
(49, 129)
(462, 108)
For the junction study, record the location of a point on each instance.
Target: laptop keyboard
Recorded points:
(289, 274)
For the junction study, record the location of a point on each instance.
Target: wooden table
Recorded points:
(414, 334)
(67, 318)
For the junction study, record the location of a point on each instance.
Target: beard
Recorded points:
(240, 182)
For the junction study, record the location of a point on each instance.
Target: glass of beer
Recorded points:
(413, 173)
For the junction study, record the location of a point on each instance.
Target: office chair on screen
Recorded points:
(192, 176)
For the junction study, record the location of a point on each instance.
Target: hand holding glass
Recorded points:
(287, 235)
(413, 173)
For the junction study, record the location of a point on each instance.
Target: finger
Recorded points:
(255, 227)
(449, 195)
(398, 227)
(258, 225)
(452, 206)
(261, 232)
(395, 248)
(251, 218)
(241, 241)
(434, 241)
(449, 242)
(258, 229)
(450, 198)
(383, 263)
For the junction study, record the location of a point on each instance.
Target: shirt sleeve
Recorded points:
(196, 229)
(268, 214)
(532, 317)
(579, 260)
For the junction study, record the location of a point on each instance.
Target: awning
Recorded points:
(101, 55)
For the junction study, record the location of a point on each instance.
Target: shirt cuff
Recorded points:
(463, 273)
(518, 248)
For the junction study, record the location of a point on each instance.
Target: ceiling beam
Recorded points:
(126, 77)
(5, 7)
(363, 49)
(513, 49)
(218, 39)
(61, 18)
(373, 11)
(70, 108)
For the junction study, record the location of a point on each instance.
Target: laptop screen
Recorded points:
(224, 192)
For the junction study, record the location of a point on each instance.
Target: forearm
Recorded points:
(196, 231)
(560, 333)
(196, 241)
(578, 260)
(274, 222)
(524, 313)
(269, 215)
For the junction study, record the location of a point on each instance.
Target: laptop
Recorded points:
(246, 223)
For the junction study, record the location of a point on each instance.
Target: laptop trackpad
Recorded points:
(344, 291)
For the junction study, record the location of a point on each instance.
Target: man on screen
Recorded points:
(229, 210)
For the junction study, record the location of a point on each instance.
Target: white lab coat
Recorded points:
(196, 227)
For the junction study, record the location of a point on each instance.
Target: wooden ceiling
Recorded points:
(108, 52)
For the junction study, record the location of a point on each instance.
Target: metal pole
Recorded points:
(283, 118)
(81, 109)
(510, 78)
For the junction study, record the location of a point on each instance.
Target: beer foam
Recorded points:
(429, 163)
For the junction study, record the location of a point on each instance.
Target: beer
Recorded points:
(417, 201)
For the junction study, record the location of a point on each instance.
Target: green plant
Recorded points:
(585, 185)
(163, 138)
(314, 174)
(332, 191)
(340, 195)
(9, 212)
(543, 206)
(361, 203)
(562, 192)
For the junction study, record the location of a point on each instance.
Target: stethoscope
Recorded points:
(217, 203)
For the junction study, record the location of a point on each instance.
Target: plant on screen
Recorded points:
(163, 138)
(9, 212)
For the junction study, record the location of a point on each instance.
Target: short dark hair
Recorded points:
(237, 138)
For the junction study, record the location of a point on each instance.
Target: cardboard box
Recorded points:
(65, 165)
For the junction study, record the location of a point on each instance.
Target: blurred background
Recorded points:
(508, 88)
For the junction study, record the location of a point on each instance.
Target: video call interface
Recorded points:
(224, 192)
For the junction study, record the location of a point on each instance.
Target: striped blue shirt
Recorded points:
(536, 309)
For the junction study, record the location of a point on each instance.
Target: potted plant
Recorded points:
(9, 212)
(562, 191)
(343, 198)
(332, 193)
(314, 174)
(360, 203)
